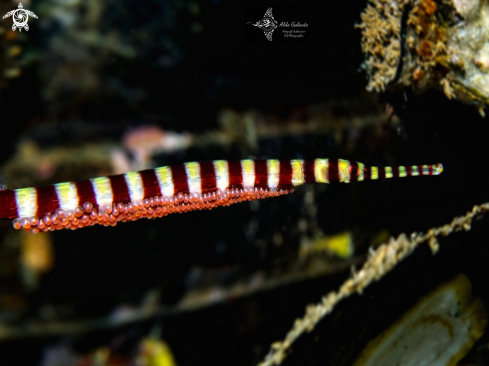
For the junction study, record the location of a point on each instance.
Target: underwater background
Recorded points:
(100, 87)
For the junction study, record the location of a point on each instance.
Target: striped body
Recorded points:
(179, 188)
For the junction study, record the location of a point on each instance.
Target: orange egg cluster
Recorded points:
(159, 206)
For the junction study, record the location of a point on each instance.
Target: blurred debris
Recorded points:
(74, 74)
(3, 181)
(11, 46)
(155, 352)
(150, 352)
(144, 142)
(340, 245)
(31, 165)
(59, 355)
(206, 289)
(36, 163)
(37, 252)
(37, 257)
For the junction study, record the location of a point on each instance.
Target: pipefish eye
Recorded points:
(354, 171)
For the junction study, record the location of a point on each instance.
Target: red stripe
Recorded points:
(420, 169)
(430, 169)
(85, 192)
(285, 176)
(47, 200)
(354, 171)
(308, 171)
(261, 173)
(381, 171)
(235, 174)
(395, 171)
(8, 205)
(120, 191)
(333, 172)
(179, 177)
(367, 173)
(150, 183)
(409, 171)
(207, 176)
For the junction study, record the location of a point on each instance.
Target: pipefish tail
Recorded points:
(179, 188)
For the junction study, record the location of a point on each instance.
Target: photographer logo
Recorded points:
(20, 17)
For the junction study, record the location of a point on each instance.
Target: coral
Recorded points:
(441, 44)
(381, 42)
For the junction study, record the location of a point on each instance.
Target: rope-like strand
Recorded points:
(380, 262)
